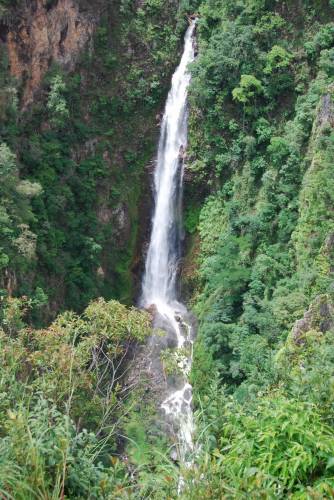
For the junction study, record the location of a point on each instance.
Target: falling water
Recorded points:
(164, 252)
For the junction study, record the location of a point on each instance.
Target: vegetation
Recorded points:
(259, 268)
(87, 140)
(62, 405)
(261, 137)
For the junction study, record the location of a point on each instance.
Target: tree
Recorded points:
(277, 59)
(56, 101)
(248, 88)
(7, 162)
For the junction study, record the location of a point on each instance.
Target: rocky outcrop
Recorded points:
(326, 111)
(47, 32)
(319, 317)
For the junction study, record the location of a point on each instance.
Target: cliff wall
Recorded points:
(83, 86)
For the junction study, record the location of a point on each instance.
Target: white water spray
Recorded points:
(161, 270)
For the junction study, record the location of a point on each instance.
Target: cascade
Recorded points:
(160, 287)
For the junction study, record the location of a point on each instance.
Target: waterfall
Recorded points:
(159, 291)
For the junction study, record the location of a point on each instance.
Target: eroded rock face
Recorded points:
(47, 32)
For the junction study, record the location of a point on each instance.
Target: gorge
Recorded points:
(133, 172)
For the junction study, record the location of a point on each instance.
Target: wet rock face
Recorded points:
(146, 370)
(44, 33)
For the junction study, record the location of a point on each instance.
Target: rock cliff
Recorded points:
(44, 33)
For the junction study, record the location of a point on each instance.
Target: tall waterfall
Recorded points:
(164, 252)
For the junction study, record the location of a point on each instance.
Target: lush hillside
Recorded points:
(80, 111)
(262, 150)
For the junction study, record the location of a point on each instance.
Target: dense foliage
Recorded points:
(261, 151)
(86, 140)
(259, 267)
(62, 405)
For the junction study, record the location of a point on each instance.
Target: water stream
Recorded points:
(160, 281)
